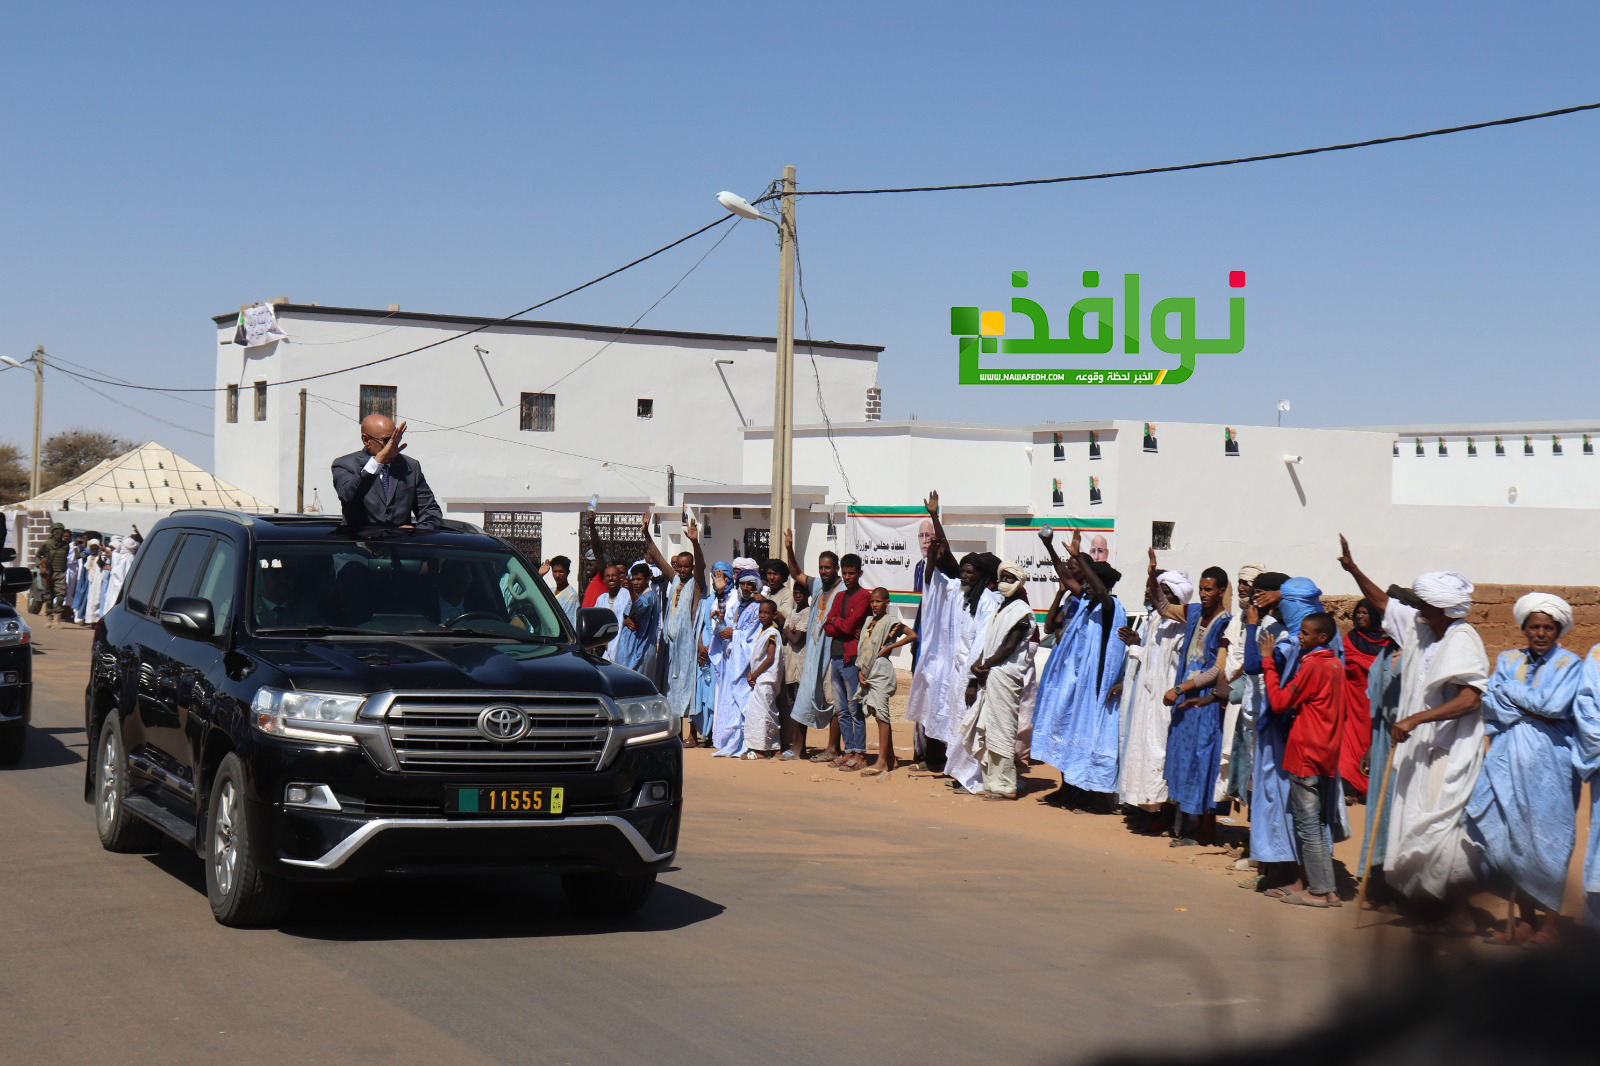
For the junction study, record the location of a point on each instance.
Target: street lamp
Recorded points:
(783, 388)
(37, 359)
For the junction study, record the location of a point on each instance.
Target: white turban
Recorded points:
(1250, 571)
(744, 562)
(1559, 610)
(1011, 577)
(1178, 582)
(1446, 590)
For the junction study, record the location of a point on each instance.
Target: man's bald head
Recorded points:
(375, 432)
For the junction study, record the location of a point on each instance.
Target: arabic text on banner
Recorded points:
(1021, 544)
(892, 542)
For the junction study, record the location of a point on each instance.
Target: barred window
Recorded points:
(261, 401)
(539, 412)
(379, 400)
(233, 403)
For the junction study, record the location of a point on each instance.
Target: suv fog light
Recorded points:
(652, 793)
(10, 677)
(315, 797)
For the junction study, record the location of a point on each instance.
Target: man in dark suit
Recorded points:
(379, 487)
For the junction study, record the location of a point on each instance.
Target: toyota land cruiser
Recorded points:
(297, 703)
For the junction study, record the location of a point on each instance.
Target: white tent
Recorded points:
(142, 484)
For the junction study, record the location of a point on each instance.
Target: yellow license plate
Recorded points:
(546, 799)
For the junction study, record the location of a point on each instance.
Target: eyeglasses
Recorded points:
(378, 440)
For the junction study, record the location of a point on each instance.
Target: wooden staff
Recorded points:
(1372, 837)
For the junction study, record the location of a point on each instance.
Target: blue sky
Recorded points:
(168, 162)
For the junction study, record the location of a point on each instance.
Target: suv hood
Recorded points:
(368, 665)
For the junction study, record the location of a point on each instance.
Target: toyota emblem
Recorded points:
(503, 724)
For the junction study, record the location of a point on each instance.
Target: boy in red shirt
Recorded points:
(1315, 694)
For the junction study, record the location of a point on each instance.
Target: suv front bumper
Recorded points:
(395, 823)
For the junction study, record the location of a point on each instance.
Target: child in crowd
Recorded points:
(1315, 696)
(880, 637)
(761, 712)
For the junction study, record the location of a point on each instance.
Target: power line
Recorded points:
(816, 372)
(614, 339)
(55, 360)
(76, 379)
(1201, 166)
(446, 340)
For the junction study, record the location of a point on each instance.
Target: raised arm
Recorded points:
(692, 531)
(798, 574)
(599, 549)
(1158, 599)
(939, 555)
(1374, 595)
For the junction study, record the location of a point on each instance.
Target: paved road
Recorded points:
(813, 917)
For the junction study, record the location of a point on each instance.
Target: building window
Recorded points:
(233, 403)
(379, 400)
(1161, 535)
(647, 408)
(261, 401)
(539, 412)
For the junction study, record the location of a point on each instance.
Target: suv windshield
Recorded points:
(392, 587)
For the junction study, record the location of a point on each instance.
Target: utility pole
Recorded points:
(37, 359)
(300, 469)
(38, 416)
(783, 391)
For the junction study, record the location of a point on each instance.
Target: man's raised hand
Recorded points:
(692, 530)
(1154, 566)
(932, 502)
(391, 449)
(1345, 560)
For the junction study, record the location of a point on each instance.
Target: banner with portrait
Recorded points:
(892, 543)
(1020, 543)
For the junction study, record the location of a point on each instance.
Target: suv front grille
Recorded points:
(440, 734)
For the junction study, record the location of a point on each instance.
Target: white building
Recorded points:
(527, 417)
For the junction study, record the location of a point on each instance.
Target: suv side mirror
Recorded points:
(188, 616)
(20, 579)
(597, 627)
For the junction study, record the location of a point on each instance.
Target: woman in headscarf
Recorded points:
(1141, 783)
(1362, 646)
(710, 655)
(98, 574)
(1523, 810)
(121, 563)
(740, 624)
(997, 682)
(1438, 735)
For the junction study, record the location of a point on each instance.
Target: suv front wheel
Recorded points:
(119, 829)
(241, 893)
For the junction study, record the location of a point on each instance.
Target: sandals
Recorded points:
(1302, 899)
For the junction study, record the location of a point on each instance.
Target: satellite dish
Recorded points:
(737, 204)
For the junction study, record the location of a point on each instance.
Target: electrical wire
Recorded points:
(445, 340)
(816, 373)
(77, 380)
(601, 350)
(58, 359)
(1201, 166)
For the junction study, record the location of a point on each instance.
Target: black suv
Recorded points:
(297, 703)
(16, 662)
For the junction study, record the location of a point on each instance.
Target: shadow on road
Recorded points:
(43, 750)
(474, 909)
(449, 908)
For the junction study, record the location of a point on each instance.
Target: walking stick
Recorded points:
(1372, 837)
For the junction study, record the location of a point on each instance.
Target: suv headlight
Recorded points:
(14, 631)
(305, 715)
(646, 719)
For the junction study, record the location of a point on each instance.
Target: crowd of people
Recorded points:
(82, 574)
(1229, 695)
